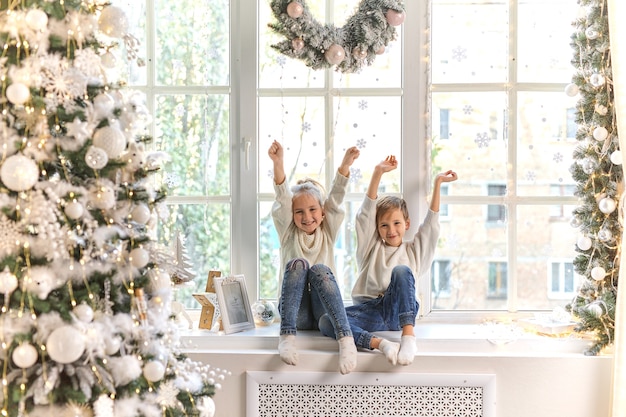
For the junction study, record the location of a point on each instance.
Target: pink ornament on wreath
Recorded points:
(394, 18)
(295, 10)
(297, 44)
(380, 50)
(335, 54)
(359, 53)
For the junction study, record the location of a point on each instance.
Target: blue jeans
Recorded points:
(391, 311)
(308, 294)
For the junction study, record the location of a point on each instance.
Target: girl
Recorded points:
(308, 224)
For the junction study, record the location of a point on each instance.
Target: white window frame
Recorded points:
(561, 294)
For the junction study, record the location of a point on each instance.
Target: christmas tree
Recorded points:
(598, 173)
(86, 325)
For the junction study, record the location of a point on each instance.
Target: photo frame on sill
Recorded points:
(232, 297)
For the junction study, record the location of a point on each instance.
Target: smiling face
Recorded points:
(392, 226)
(307, 212)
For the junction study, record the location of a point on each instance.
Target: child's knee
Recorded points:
(297, 264)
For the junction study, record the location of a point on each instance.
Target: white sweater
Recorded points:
(376, 260)
(317, 248)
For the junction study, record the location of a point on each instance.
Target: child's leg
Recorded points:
(388, 348)
(293, 288)
(326, 302)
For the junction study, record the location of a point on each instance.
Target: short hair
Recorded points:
(311, 187)
(388, 203)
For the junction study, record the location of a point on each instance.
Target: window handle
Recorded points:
(246, 149)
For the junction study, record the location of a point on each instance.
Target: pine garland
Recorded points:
(350, 48)
(598, 175)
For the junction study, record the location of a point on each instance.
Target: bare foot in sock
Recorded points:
(390, 350)
(408, 349)
(287, 349)
(347, 355)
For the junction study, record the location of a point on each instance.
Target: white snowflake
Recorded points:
(166, 395)
(467, 109)
(363, 105)
(558, 157)
(482, 140)
(355, 175)
(306, 127)
(360, 143)
(531, 176)
(88, 62)
(459, 53)
(9, 234)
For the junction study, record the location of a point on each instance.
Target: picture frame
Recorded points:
(235, 309)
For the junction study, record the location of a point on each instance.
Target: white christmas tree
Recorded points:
(86, 326)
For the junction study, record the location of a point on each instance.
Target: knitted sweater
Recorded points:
(317, 248)
(376, 260)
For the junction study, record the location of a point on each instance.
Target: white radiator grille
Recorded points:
(365, 394)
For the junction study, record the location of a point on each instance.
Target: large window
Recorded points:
(465, 87)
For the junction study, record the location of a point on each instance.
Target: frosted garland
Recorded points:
(348, 48)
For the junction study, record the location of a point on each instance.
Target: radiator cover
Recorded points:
(323, 394)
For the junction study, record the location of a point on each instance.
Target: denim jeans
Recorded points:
(308, 294)
(391, 311)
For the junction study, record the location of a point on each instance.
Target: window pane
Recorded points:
(206, 232)
(476, 138)
(193, 130)
(541, 239)
(470, 41)
(117, 58)
(193, 47)
(537, 25)
(470, 245)
(544, 152)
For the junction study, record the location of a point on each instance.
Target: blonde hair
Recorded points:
(311, 187)
(388, 203)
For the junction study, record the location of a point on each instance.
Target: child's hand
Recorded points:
(276, 152)
(388, 164)
(447, 176)
(348, 159)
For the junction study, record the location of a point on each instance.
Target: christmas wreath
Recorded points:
(350, 48)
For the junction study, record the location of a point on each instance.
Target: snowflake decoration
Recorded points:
(467, 109)
(179, 110)
(531, 176)
(166, 396)
(177, 64)
(558, 157)
(306, 127)
(355, 175)
(281, 61)
(362, 105)
(459, 54)
(9, 236)
(360, 143)
(103, 407)
(482, 140)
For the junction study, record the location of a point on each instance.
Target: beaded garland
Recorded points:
(349, 48)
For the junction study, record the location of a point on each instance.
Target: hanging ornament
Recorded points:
(591, 33)
(83, 312)
(74, 210)
(335, 54)
(65, 344)
(394, 17)
(297, 44)
(113, 22)
(18, 93)
(25, 355)
(139, 257)
(600, 133)
(96, 158)
(19, 173)
(8, 282)
(571, 90)
(596, 80)
(206, 407)
(108, 60)
(380, 50)
(616, 157)
(584, 243)
(103, 105)
(111, 139)
(140, 214)
(607, 205)
(598, 273)
(589, 165)
(359, 53)
(595, 309)
(153, 371)
(295, 10)
(36, 19)
(605, 235)
(575, 222)
(601, 109)
(112, 345)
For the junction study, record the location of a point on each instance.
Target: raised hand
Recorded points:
(351, 155)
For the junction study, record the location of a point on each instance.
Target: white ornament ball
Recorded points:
(571, 90)
(616, 157)
(96, 158)
(139, 257)
(112, 345)
(589, 165)
(65, 344)
(295, 9)
(591, 33)
(8, 282)
(394, 18)
(597, 80)
(607, 205)
(598, 273)
(108, 60)
(111, 139)
(36, 19)
(25, 355)
(335, 54)
(140, 214)
(113, 22)
(605, 235)
(600, 133)
(74, 210)
(83, 312)
(153, 371)
(207, 406)
(19, 173)
(18, 93)
(584, 243)
(103, 104)
(595, 309)
(575, 222)
(102, 197)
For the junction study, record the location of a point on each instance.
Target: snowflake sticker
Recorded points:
(355, 175)
(531, 176)
(467, 110)
(482, 140)
(363, 105)
(558, 157)
(306, 127)
(459, 54)
(361, 143)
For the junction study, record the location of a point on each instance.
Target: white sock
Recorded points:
(390, 349)
(408, 349)
(287, 349)
(347, 355)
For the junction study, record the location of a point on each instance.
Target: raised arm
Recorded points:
(276, 153)
(388, 164)
(447, 176)
(348, 159)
